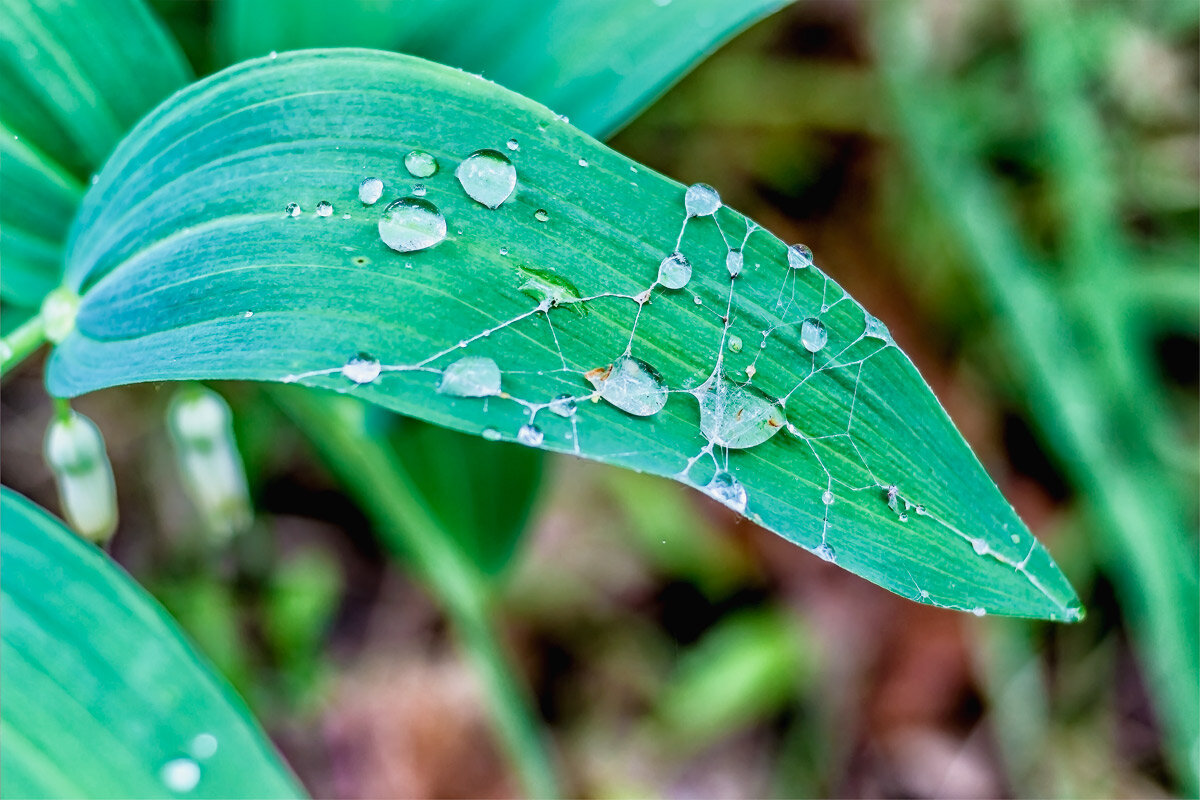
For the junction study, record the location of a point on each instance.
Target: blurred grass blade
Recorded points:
(192, 269)
(597, 63)
(102, 696)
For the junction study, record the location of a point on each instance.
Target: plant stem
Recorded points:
(370, 471)
(21, 343)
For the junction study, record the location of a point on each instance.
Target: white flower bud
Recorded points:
(74, 450)
(201, 426)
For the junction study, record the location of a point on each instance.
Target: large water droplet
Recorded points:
(701, 200)
(292, 210)
(799, 256)
(531, 435)
(875, 329)
(411, 223)
(737, 416)
(420, 164)
(324, 208)
(727, 489)
(631, 385)
(362, 368)
(813, 335)
(488, 177)
(826, 552)
(675, 271)
(545, 286)
(180, 775)
(734, 261)
(370, 190)
(735, 344)
(471, 376)
(564, 406)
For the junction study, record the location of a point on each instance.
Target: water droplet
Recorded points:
(903, 517)
(488, 177)
(471, 376)
(751, 371)
(827, 497)
(180, 775)
(875, 329)
(799, 256)
(410, 224)
(893, 498)
(503, 251)
(675, 271)
(419, 190)
(324, 208)
(813, 334)
(420, 164)
(513, 144)
(826, 552)
(531, 435)
(924, 593)
(701, 200)
(545, 286)
(492, 435)
(735, 344)
(631, 385)
(980, 547)
(734, 261)
(370, 190)
(737, 416)
(541, 215)
(346, 215)
(362, 368)
(583, 162)
(727, 489)
(979, 611)
(292, 210)
(564, 406)
(203, 746)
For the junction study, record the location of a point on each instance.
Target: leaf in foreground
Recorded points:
(664, 332)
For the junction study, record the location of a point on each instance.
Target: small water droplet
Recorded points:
(324, 208)
(735, 344)
(696, 299)
(826, 552)
(737, 416)
(370, 190)
(893, 497)
(411, 224)
(734, 261)
(362, 368)
(813, 335)
(751, 371)
(701, 200)
(980, 547)
(488, 177)
(631, 385)
(421, 164)
(541, 215)
(503, 251)
(203, 746)
(419, 190)
(346, 215)
(247, 314)
(180, 775)
(903, 517)
(292, 210)
(492, 435)
(675, 271)
(513, 144)
(827, 497)
(799, 256)
(1014, 538)
(471, 376)
(564, 406)
(979, 611)
(583, 162)
(727, 489)
(531, 435)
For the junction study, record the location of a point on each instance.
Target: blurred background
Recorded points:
(1014, 189)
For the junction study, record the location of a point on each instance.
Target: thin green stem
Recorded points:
(371, 472)
(21, 343)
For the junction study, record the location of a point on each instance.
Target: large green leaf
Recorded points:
(191, 269)
(597, 63)
(102, 695)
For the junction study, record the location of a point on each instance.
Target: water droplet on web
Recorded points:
(541, 215)
(180, 775)
(813, 335)
(419, 190)
(825, 552)
(751, 371)
(701, 200)
(513, 144)
(799, 256)
(980, 547)
(875, 329)
(631, 385)
(979, 611)
(410, 224)
(292, 210)
(734, 261)
(488, 177)
(471, 376)
(545, 286)
(735, 344)
(362, 368)
(492, 435)
(324, 208)
(675, 271)
(564, 406)
(827, 497)
(369, 191)
(893, 498)
(531, 435)
(737, 416)
(420, 164)
(725, 488)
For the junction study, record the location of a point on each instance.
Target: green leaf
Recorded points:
(186, 232)
(102, 695)
(597, 63)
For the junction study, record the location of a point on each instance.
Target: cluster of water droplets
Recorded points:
(182, 774)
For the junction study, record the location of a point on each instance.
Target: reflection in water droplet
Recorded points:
(410, 224)
(541, 215)
(420, 164)
(701, 200)
(813, 335)
(631, 385)
(827, 497)
(727, 489)
(471, 376)
(531, 435)
(362, 368)
(675, 271)
(370, 190)
(826, 552)
(737, 416)
(488, 177)
(734, 261)
(180, 775)
(492, 435)
(564, 406)
(735, 344)
(799, 256)
(292, 210)
(324, 208)
(513, 144)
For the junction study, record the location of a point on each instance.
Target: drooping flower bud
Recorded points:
(201, 426)
(74, 451)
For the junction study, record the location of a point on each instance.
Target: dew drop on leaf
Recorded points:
(513, 144)
(631, 385)
(799, 256)
(980, 547)
(419, 190)
(701, 200)
(583, 162)
(564, 406)
(471, 376)
(541, 215)
(292, 210)
(675, 271)
(488, 177)
(725, 488)
(734, 260)
(411, 223)
(826, 552)
(735, 344)
(370, 190)
(492, 435)
(362, 368)
(737, 416)
(875, 329)
(531, 435)
(813, 335)
(324, 208)
(420, 164)
(827, 497)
